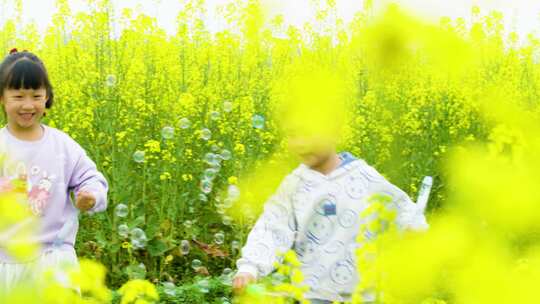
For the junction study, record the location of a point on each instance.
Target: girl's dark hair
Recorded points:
(24, 70)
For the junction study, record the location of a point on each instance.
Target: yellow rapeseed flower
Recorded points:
(232, 180)
(152, 146)
(138, 291)
(187, 177)
(165, 176)
(239, 148)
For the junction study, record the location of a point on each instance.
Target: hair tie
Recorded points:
(13, 51)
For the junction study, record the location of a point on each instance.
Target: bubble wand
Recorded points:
(423, 194)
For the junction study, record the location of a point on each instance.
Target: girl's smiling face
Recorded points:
(24, 107)
(25, 93)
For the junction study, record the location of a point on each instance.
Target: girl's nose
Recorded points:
(28, 103)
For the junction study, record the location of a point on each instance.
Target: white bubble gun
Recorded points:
(423, 194)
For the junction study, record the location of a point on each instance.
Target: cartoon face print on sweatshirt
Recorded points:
(311, 179)
(258, 252)
(348, 218)
(33, 182)
(275, 212)
(342, 272)
(356, 185)
(306, 250)
(320, 228)
(40, 191)
(14, 178)
(301, 195)
(313, 277)
(371, 174)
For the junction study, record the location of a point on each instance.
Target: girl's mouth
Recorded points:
(26, 116)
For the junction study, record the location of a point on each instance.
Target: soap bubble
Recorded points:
(196, 264)
(224, 300)
(123, 230)
(137, 233)
(257, 121)
(203, 286)
(210, 173)
(121, 210)
(214, 115)
(167, 132)
(110, 81)
(220, 209)
(219, 238)
(226, 276)
(206, 186)
(233, 192)
(227, 220)
(184, 247)
(138, 156)
(228, 202)
(184, 123)
(227, 106)
(206, 134)
(169, 289)
(212, 159)
(225, 154)
(138, 238)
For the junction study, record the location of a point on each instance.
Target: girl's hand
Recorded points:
(85, 201)
(241, 280)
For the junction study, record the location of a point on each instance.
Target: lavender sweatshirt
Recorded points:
(53, 167)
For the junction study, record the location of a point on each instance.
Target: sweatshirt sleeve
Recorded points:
(271, 235)
(409, 216)
(86, 177)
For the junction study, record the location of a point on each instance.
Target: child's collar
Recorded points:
(348, 163)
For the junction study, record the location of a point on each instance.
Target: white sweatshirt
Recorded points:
(319, 217)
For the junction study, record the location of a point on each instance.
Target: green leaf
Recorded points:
(157, 247)
(137, 222)
(114, 247)
(153, 226)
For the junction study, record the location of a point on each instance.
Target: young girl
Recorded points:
(49, 163)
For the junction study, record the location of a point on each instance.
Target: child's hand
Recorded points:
(85, 201)
(241, 280)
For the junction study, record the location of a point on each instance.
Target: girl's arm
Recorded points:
(85, 177)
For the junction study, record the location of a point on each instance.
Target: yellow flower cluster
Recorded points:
(138, 292)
